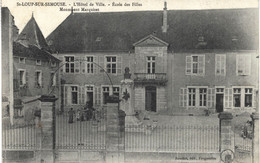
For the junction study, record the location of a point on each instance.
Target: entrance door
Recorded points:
(90, 99)
(219, 102)
(150, 98)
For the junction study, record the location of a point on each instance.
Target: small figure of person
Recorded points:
(78, 115)
(71, 114)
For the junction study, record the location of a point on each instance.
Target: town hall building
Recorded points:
(180, 60)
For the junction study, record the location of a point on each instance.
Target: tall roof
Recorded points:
(32, 35)
(188, 29)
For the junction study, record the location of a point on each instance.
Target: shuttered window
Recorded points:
(195, 65)
(220, 64)
(89, 64)
(69, 64)
(197, 97)
(228, 98)
(243, 64)
(22, 77)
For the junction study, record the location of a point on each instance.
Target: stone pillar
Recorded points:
(226, 133)
(255, 142)
(47, 126)
(114, 145)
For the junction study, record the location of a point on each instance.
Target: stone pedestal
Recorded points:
(46, 129)
(255, 145)
(114, 143)
(127, 103)
(226, 135)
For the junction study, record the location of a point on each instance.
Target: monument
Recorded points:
(127, 103)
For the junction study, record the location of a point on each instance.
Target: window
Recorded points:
(150, 65)
(105, 94)
(69, 65)
(21, 60)
(116, 91)
(220, 64)
(74, 94)
(195, 65)
(38, 62)
(22, 79)
(53, 64)
(38, 77)
(192, 96)
(203, 96)
(197, 97)
(237, 97)
(248, 97)
(111, 64)
(53, 79)
(243, 64)
(90, 65)
(18, 112)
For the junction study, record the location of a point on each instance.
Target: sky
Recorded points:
(48, 18)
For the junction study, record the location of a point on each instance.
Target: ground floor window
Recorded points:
(242, 97)
(74, 95)
(105, 94)
(197, 97)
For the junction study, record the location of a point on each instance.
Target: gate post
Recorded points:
(226, 135)
(114, 143)
(255, 142)
(47, 125)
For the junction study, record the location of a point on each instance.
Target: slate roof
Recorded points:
(32, 35)
(32, 51)
(118, 31)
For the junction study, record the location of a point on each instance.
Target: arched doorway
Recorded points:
(150, 98)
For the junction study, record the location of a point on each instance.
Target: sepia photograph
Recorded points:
(130, 81)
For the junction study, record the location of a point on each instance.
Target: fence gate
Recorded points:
(80, 141)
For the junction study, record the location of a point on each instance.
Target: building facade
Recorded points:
(180, 61)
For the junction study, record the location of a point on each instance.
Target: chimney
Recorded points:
(165, 25)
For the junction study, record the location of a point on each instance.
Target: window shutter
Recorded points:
(77, 65)
(183, 97)
(62, 59)
(41, 79)
(209, 97)
(201, 64)
(79, 95)
(188, 65)
(27, 78)
(119, 64)
(69, 90)
(95, 95)
(65, 95)
(101, 63)
(82, 95)
(82, 66)
(228, 98)
(99, 95)
(35, 79)
(57, 79)
(213, 97)
(96, 68)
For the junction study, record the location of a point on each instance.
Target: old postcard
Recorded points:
(130, 81)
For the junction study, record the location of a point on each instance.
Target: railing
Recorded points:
(243, 143)
(19, 137)
(86, 132)
(146, 76)
(172, 138)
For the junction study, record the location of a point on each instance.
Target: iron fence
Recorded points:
(85, 132)
(167, 138)
(18, 136)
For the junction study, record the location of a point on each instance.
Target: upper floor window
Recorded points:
(150, 65)
(22, 79)
(53, 64)
(69, 65)
(220, 64)
(38, 78)
(38, 62)
(21, 60)
(111, 64)
(53, 79)
(243, 64)
(89, 64)
(195, 65)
